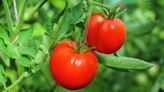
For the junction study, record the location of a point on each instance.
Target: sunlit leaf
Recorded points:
(10, 50)
(123, 63)
(4, 33)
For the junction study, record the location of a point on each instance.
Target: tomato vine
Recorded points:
(26, 54)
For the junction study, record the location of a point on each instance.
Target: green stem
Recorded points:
(8, 15)
(21, 18)
(82, 41)
(15, 11)
(120, 13)
(56, 35)
(113, 15)
(100, 5)
(36, 8)
(24, 75)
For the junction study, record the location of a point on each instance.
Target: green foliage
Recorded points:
(123, 63)
(22, 39)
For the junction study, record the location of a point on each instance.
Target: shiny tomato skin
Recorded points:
(72, 70)
(110, 35)
(94, 24)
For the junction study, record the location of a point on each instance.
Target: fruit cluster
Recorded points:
(74, 69)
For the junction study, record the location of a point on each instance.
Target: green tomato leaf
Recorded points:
(2, 77)
(25, 36)
(69, 19)
(123, 63)
(53, 24)
(140, 29)
(29, 51)
(12, 50)
(24, 61)
(8, 49)
(4, 34)
(75, 14)
(5, 59)
(39, 30)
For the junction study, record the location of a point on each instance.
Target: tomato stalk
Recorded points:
(106, 10)
(82, 47)
(25, 74)
(21, 18)
(121, 12)
(117, 12)
(101, 5)
(113, 14)
(15, 11)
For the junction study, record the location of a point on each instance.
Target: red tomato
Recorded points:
(95, 22)
(70, 69)
(107, 35)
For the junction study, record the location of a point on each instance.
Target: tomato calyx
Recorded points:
(111, 13)
(81, 48)
(117, 12)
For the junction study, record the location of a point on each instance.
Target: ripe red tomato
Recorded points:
(70, 69)
(106, 35)
(95, 22)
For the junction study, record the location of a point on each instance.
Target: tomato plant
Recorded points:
(71, 69)
(58, 45)
(106, 35)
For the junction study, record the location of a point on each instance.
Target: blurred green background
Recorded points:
(144, 20)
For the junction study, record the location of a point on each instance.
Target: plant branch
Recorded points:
(21, 18)
(8, 15)
(88, 17)
(24, 75)
(27, 74)
(15, 11)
